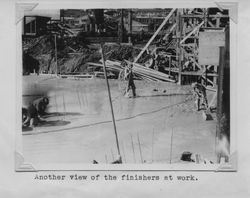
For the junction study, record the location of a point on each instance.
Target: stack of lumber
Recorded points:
(138, 70)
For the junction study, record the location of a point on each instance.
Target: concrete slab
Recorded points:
(79, 128)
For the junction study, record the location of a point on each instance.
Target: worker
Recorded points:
(41, 105)
(201, 96)
(130, 77)
(35, 110)
(31, 119)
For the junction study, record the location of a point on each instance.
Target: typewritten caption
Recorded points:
(110, 177)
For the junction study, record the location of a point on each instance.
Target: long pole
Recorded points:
(56, 55)
(154, 35)
(130, 26)
(110, 101)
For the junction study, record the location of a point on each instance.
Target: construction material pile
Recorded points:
(122, 52)
(139, 70)
(71, 55)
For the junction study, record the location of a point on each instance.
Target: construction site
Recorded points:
(125, 86)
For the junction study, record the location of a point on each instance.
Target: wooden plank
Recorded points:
(196, 28)
(202, 16)
(155, 34)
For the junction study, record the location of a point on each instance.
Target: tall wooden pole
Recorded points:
(110, 101)
(178, 37)
(121, 28)
(130, 26)
(220, 97)
(155, 34)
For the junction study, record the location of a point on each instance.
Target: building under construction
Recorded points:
(167, 48)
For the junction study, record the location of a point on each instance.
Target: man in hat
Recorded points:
(201, 96)
(41, 105)
(130, 77)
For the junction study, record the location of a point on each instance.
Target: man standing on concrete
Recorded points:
(201, 96)
(130, 77)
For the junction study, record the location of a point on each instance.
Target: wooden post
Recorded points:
(121, 28)
(130, 26)
(56, 56)
(178, 37)
(215, 78)
(154, 35)
(110, 100)
(218, 22)
(205, 17)
(219, 96)
(169, 72)
(35, 26)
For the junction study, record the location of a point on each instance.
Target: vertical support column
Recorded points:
(130, 26)
(217, 22)
(205, 17)
(24, 25)
(215, 71)
(220, 98)
(110, 101)
(169, 72)
(35, 26)
(178, 37)
(120, 28)
(56, 56)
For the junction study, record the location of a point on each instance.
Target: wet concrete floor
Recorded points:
(159, 124)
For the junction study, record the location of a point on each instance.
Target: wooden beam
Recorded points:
(155, 34)
(170, 30)
(201, 16)
(210, 23)
(196, 28)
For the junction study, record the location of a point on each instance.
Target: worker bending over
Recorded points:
(201, 96)
(35, 110)
(41, 105)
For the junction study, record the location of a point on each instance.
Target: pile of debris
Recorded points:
(71, 55)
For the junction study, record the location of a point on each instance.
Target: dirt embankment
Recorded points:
(72, 54)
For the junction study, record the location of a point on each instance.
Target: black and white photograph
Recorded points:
(126, 86)
(135, 98)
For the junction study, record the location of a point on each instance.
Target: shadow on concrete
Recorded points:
(26, 128)
(54, 114)
(46, 124)
(161, 95)
(53, 123)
